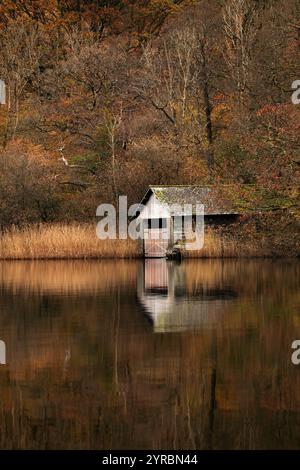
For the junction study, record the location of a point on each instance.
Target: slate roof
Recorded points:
(215, 200)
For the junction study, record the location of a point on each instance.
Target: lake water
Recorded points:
(154, 355)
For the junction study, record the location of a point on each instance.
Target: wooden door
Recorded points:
(155, 242)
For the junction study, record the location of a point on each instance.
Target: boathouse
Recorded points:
(163, 226)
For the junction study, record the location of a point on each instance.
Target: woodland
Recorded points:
(104, 97)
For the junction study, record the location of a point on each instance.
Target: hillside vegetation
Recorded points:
(105, 97)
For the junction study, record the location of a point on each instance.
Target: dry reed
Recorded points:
(218, 246)
(62, 241)
(79, 241)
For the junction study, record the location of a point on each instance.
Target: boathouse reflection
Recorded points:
(174, 305)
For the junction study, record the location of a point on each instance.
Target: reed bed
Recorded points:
(79, 241)
(218, 246)
(62, 241)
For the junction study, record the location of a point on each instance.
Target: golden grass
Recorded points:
(62, 241)
(79, 241)
(216, 246)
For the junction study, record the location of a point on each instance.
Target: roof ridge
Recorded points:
(197, 185)
(200, 185)
(179, 186)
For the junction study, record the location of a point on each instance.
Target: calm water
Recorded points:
(155, 355)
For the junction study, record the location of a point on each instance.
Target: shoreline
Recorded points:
(141, 258)
(78, 241)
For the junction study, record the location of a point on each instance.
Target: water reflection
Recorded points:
(163, 291)
(86, 369)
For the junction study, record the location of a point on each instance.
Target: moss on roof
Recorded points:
(228, 198)
(215, 201)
